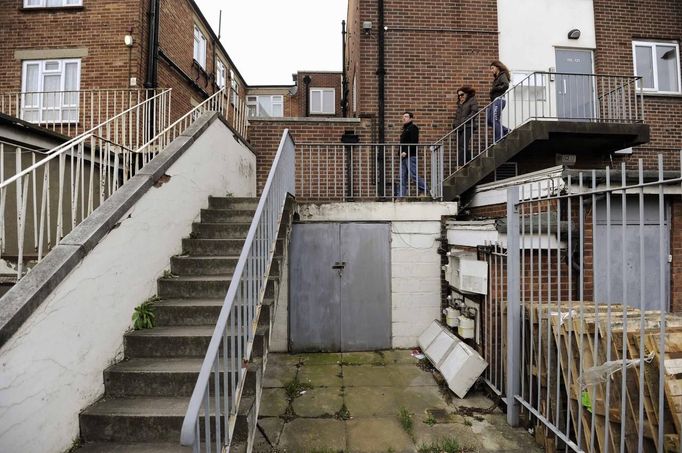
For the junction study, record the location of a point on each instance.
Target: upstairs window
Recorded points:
(322, 101)
(269, 106)
(51, 3)
(220, 75)
(199, 47)
(50, 90)
(235, 87)
(658, 63)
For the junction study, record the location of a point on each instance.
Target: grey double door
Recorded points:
(339, 293)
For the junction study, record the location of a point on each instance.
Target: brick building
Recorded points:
(77, 45)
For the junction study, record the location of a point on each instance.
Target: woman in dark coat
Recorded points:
(467, 106)
(500, 86)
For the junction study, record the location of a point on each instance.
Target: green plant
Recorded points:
(294, 388)
(144, 314)
(75, 445)
(168, 274)
(229, 194)
(430, 421)
(444, 445)
(343, 413)
(467, 422)
(406, 421)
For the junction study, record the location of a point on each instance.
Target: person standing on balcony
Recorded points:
(467, 106)
(409, 138)
(500, 86)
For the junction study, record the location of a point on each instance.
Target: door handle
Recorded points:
(339, 265)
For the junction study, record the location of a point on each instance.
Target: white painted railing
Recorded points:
(230, 348)
(41, 200)
(72, 112)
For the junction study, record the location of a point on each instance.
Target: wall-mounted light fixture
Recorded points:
(574, 34)
(367, 27)
(128, 40)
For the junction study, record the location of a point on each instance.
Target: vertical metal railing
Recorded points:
(212, 411)
(71, 113)
(547, 96)
(590, 349)
(43, 198)
(347, 172)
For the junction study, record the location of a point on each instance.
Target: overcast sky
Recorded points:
(269, 40)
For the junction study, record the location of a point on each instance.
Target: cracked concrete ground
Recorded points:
(350, 402)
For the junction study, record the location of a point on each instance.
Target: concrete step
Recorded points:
(212, 247)
(145, 419)
(125, 447)
(203, 265)
(226, 215)
(190, 312)
(158, 377)
(193, 287)
(168, 341)
(232, 203)
(220, 230)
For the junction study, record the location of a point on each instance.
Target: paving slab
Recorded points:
(273, 402)
(387, 401)
(321, 375)
(399, 356)
(390, 375)
(271, 429)
(278, 375)
(378, 434)
(281, 359)
(462, 434)
(362, 358)
(321, 358)
(319, 402)
(304, 435)
(496, 435)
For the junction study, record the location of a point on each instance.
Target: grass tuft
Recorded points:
(294, 388)
(406, 421)
(444, 445)
(343, 413)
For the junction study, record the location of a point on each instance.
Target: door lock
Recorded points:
(339, 266)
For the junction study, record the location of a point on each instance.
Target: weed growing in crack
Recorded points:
(343, 413)
(406, 421)
(145, 314)
(294, 388)
(430, 421)
(444, 445)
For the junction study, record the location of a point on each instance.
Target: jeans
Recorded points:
(494, 115)
(463, 146)
(408, 167)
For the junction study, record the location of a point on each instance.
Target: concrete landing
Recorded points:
(350, 403)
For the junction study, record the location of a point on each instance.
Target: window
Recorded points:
(269, 106)
(658, 63)
(56, 84)
(199, 47)
(322, 101)
(355, 94)
(235, 87)
(533, 86)
(51, 3)
(220, 75)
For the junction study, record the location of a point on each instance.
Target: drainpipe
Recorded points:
(153, 44)
(306, 82)
(344, 77)
(381, 72)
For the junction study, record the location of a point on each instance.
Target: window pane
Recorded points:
(645, 65)
(277, 110)
(328, 102)
(32, 77)
(316, 101)
(32, 2)
(52, 66)
(264, 106)
(55, 2)
(52, 83)
(666, 58)
(71, 84)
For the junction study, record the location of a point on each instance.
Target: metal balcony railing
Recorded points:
(545, 96)
(71, 113)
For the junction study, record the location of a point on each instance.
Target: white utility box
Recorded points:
(466, 274)
(459, 364)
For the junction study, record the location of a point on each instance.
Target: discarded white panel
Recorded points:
(459, 364)
(466, 274)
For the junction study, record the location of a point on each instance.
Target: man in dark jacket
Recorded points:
(409, 158)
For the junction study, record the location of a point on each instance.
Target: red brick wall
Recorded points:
(324, 165)
(431, 48)
(99, 26)
(317, 80)
(617, 24)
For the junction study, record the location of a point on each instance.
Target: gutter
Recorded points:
(381, 73)
(153, 45)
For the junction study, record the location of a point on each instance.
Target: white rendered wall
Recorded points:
(415, 262)
(531, 30)
(52, 367)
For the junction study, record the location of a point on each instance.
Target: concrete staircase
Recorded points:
(146, 395)
(537, 138)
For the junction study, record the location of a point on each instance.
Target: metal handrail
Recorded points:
(541, 96)
(238, 316)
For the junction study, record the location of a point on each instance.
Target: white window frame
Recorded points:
(275, 99)
(355, 94)
(37, 103)
(220, 74)
(252, 106)
(199, 47)
(43, 4)
(322, 91)
(652, 45)
(234, 85)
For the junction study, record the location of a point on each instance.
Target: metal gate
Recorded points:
(576, 348)
(339, 296)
